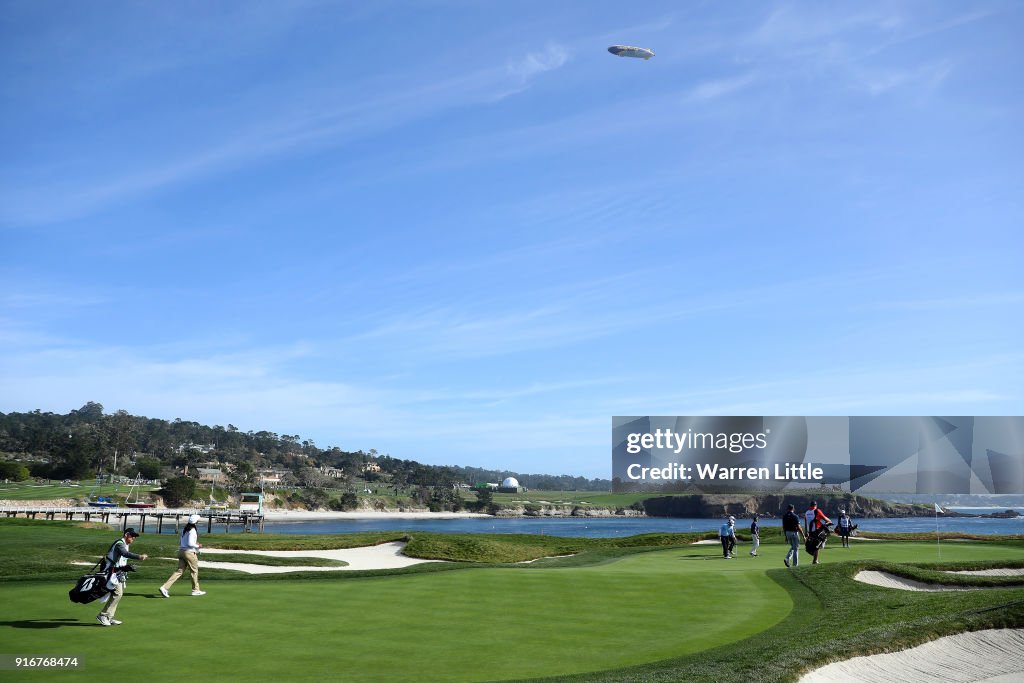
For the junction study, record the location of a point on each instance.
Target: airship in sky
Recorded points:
(630, 51)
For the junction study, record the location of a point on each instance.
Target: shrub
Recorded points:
(178, 491)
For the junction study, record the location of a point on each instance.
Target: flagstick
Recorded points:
(938, 546)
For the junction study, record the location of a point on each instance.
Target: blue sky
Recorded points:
(464, 233)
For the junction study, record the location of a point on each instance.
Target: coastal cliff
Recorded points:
(774, 505)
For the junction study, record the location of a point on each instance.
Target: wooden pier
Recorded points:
(249, 521)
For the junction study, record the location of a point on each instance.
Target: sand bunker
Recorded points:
(991, 572)
(887, 580)
(383, 556)
(993, 656)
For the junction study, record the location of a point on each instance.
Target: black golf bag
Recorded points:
(93, 585)
(90, 587)
(816, 539)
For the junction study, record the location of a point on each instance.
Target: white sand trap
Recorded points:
(707, 541)
(887, 580)
(991, 572)
(546, 557)
(383, 556)
(993, 656)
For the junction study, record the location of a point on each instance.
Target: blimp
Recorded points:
(630, 51)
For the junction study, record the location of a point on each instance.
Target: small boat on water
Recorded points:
(102, 502)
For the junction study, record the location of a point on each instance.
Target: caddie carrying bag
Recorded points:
(94, 585)
(816, 539)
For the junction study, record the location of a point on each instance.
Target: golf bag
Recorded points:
(90, 587)
(97, 582)
(816, 539)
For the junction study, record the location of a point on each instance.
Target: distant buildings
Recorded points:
(510, 485)
(211, 475)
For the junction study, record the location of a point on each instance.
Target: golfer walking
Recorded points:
(187, 558)
(794, 534)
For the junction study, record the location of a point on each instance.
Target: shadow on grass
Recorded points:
(46, 623)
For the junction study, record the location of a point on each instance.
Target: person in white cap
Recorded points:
(187, 558)
(845, 527)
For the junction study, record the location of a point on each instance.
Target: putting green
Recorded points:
(473, 624)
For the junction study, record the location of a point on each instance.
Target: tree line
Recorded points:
(87, 441)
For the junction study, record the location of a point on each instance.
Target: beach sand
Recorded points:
(308, 516)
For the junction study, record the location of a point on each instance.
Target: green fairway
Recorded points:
(481, 623)
(618, 610)
(52, 492)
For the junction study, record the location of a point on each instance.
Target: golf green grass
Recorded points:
(681, 613)
(481, 624)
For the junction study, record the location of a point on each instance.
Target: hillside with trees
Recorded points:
(87, 442)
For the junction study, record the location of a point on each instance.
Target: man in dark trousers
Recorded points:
(816, 519)
(845, 527)
(114, 566)
(794, 534)
(727, 535)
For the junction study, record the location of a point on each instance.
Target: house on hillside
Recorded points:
(213, 475)
(332, 472)
(272, 477)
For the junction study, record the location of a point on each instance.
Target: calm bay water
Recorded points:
(605, 527)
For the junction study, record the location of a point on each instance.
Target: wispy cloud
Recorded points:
(713, 90)
(972, 301)
(316, 120)
(881, 80)
(552, 57)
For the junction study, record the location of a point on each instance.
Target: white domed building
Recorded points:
(510, 485)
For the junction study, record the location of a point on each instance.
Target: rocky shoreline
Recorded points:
(774, 505)
(698, 506)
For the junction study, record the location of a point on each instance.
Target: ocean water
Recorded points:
(606, 527)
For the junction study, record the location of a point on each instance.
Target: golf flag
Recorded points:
(938, 509)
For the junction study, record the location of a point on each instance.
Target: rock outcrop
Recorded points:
(774, 505)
